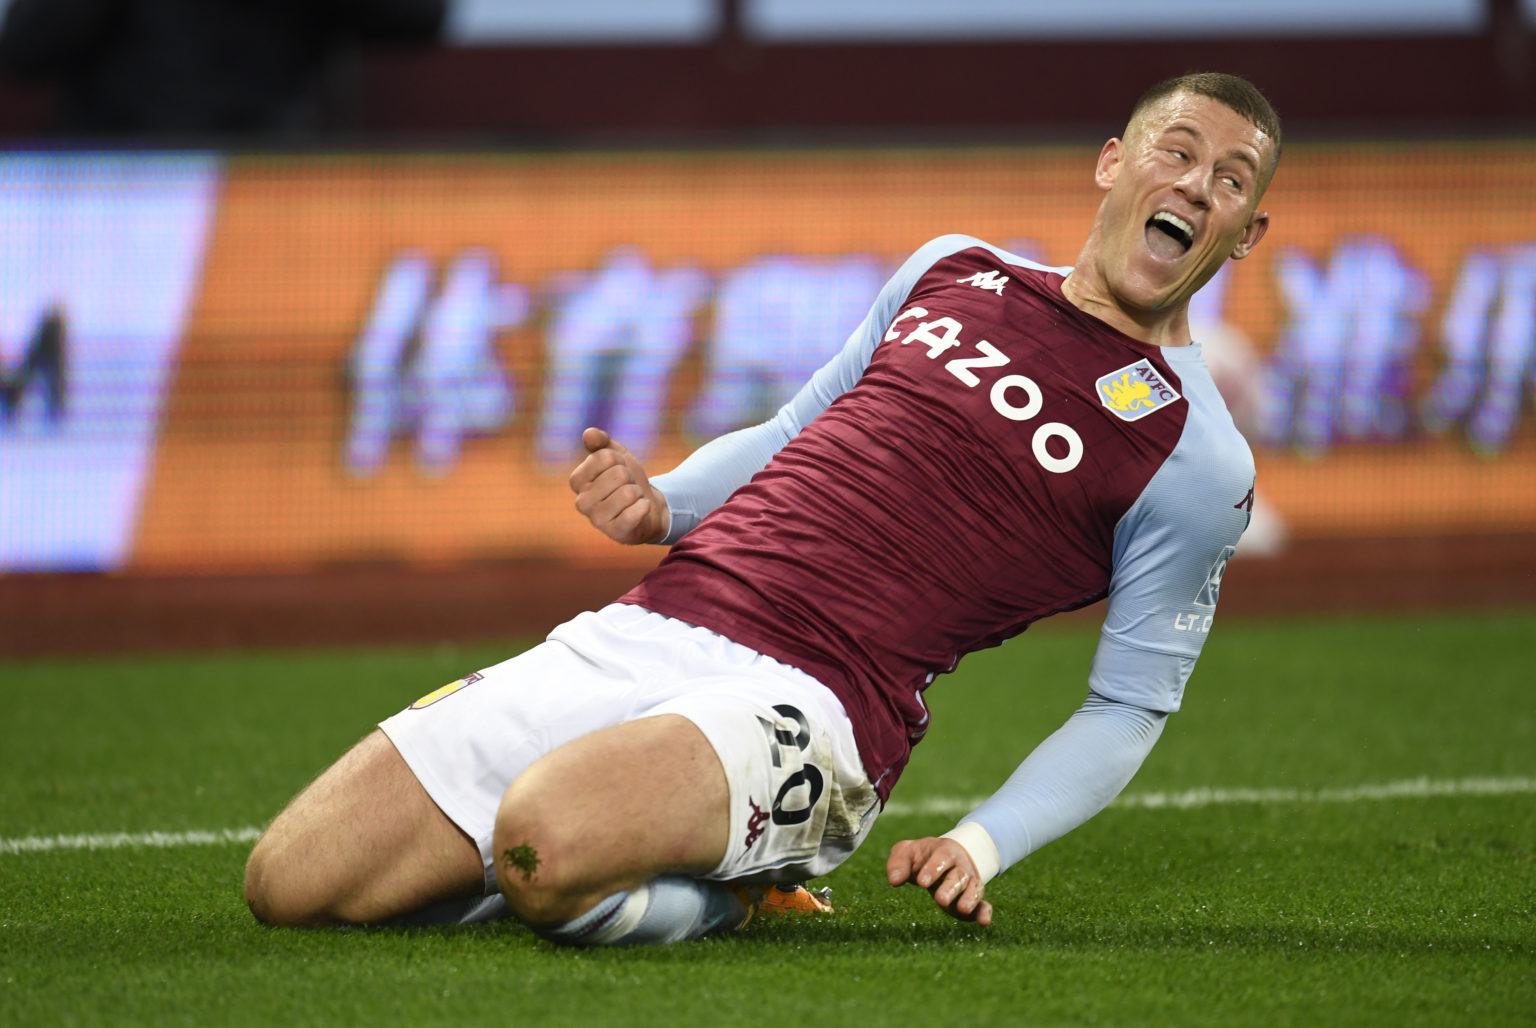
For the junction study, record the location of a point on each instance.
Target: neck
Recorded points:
(1168, 327)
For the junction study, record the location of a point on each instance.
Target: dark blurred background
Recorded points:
(483, 72)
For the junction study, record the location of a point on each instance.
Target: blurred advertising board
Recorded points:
(277, 361)
(97, 274)
(823, 20)
(622, 22)
(614, 22)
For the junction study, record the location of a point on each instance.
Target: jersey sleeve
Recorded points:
(1170, 552)
(1067, 779)
(709, 475)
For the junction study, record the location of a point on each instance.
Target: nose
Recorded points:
(1195, 184)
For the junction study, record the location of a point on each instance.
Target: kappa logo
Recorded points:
(1134, 391)
(446, 691)
(755, 822)
(986, 280)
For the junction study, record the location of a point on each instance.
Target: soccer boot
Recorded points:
(776, 900)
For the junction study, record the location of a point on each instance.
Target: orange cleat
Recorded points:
(775, 900)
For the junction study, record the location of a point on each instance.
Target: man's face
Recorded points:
(1183, 189)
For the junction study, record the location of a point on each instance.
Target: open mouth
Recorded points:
(1169, 235)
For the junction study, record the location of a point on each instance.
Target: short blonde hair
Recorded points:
(1235, 92)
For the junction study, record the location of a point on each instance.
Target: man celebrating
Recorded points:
(997, 442)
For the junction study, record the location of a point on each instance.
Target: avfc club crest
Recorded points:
(1135, 391)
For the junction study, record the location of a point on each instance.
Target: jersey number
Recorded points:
(808, 775)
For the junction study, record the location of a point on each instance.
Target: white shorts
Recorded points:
(800, 801)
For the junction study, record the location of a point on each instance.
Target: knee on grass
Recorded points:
(537, 865)
(280, 892)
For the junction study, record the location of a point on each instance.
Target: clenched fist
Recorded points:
(613, 492)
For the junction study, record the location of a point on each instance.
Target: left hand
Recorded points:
(613, 492)
(946, 870)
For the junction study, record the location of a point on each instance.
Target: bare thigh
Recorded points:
(363, 843)
(609, 811)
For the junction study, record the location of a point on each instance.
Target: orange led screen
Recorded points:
(392, 356)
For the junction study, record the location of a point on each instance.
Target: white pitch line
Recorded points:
(953, 806)
(128, 840)
(1189, 799)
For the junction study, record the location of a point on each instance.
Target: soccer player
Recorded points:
(998, 441)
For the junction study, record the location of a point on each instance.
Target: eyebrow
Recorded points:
(1194, 133)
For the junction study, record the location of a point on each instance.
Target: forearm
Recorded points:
(1068, 778)
(715, 470)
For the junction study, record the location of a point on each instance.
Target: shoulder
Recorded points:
(1210, 435)
(940, 247)
(947, 263)
(1200, 497)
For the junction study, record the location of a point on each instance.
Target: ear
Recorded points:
(1108, 168)
(1257, 226)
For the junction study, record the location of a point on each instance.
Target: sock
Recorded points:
(470, 910)
(667, 909)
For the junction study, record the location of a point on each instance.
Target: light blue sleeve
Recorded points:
(1170, 553)
(1069, 777)
(709, 475)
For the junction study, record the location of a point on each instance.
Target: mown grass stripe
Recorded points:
(1189, 799)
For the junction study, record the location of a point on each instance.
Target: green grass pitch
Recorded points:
(1312, 902)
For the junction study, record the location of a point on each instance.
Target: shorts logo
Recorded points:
(446, 691)
(755, 822)
(1135, 391)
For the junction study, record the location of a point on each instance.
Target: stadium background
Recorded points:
(324, 388)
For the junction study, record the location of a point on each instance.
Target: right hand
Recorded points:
(613, 492)
(946, 870)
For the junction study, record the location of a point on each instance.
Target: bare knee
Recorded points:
(270, 891)
(362, 844)
(607, 812)
(538, 863)
(278, 890)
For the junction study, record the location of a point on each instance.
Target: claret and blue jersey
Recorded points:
(981, 454)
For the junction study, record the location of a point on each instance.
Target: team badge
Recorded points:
(1135, 391)
(446, 691)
